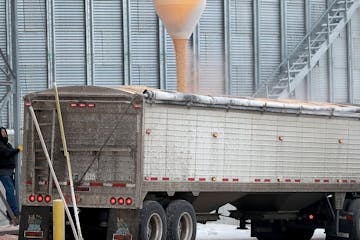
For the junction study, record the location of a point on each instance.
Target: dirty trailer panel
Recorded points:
(136, 153)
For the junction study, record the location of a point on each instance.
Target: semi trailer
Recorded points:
(151, 164)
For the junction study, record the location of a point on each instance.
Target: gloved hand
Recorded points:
(20, 147)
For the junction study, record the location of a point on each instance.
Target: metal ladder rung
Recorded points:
(338, 10)
(299, 63)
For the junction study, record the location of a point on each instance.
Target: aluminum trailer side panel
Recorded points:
(199, 144)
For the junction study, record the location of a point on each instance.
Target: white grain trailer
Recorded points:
(150, 164)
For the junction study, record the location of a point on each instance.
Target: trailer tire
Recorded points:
(152, 221)
(181, 220)
(354, 207)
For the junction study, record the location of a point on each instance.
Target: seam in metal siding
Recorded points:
(212, 45)
(355, 24)
(269, 37)
(242, 47)
(320, 78)
(108, 44)
(70, 45)
(340, 68)
(144, 41)
(295, 23)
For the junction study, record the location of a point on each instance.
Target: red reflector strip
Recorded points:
(235, 179)
(154, 179)
(267, 180)
(257, 180)
(82, 189)
(349, 218)
(29, 182)
(33, 234)
(82, 105)
(96, 184)
(119, 184)
(191, 179)
(326, 180)
(202, 179)
(27, 104)
(73, 105)
(345, 181)
(136, 106)
(121, 237)
(317, 180)
(225, 179)
(287, 180)
(297, 180)
(165, 179)
(353, 181)
(91, 105)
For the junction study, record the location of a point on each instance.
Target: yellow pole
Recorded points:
(58, 220)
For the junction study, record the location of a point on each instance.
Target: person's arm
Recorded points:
(7, 152)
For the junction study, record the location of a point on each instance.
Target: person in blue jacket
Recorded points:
(7, 168)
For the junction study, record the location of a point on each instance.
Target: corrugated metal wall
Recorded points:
(295, 23)
(355, 31)
(242, 47)
(339, 71)
(70, 45)
(110, 42)
(319, 79)
(144, 44)
(269, 37)
(212, 45)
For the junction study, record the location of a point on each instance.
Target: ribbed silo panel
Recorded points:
(70, 45)
(212, 68)
(242, 47)
(144, 42)
(340, 68)
(320, 76)
(269, 37)
(295, 23)
(108, 42)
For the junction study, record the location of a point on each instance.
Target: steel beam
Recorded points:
(228, 66)
(256, 13)
(330, 65)
(307, 29)
(350, 65)
(196, 54)
(126, 41)
(16, 98)
(50, 36)
(162, 56)
(89, 36)
(283, 30)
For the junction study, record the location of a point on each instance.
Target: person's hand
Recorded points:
(20, 147)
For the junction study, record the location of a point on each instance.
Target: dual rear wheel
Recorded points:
(177, 222)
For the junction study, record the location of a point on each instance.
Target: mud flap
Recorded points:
(35, 222)
(123, 224)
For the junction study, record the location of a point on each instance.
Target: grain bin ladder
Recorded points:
(293, 70)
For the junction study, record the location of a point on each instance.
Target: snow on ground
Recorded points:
(215, 231)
